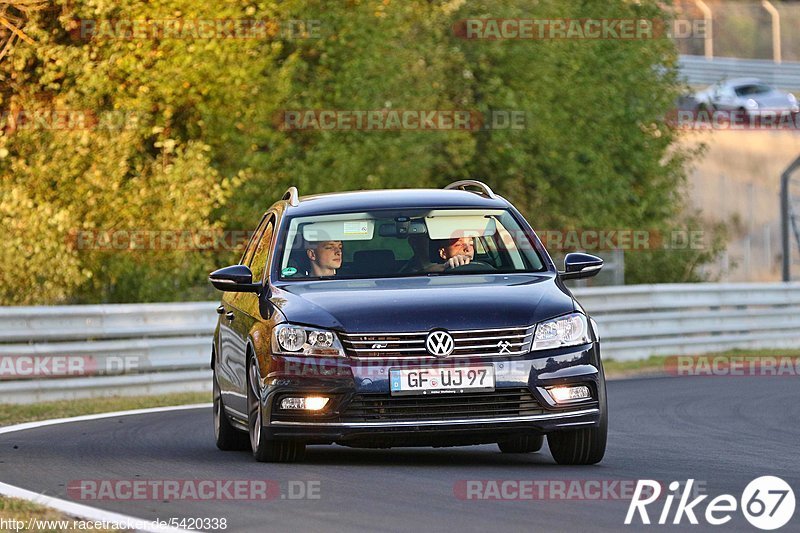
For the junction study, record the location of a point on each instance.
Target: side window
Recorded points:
(262, 251)
(247, 257)
(486, 249)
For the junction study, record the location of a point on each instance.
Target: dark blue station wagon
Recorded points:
(419, 317)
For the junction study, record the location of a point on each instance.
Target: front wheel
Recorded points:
(741, 116)
(264, 449)
(521, 444)
(581, 446)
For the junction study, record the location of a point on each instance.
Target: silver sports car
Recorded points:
(749, 97)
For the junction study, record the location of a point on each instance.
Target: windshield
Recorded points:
(401, 243)
(750, 90)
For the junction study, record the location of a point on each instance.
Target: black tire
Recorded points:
(266, 450)
(522, 444)
(741, 115)
(227, 437)
(581, 446)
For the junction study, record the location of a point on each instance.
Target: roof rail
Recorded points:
(463, 184)
(291, 195)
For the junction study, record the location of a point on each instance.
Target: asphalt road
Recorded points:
(721, 431)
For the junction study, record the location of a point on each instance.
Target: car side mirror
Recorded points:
(236, 278)
(579, 265)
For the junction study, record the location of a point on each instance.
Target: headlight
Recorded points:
(792, 98)
(301, 340)
(567, 330)
(751, 104)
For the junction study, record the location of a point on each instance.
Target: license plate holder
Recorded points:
(441, 380)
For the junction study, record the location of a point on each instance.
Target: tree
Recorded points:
(172, 131)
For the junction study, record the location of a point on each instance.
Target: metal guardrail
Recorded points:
(697, 70)
(170, 343)
(638, 321)
(122, 349)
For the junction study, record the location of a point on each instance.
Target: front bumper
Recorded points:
(520, 403)
(432, 433)
(774, 114)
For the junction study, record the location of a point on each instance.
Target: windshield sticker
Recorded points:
(358, 227)
(289, 271)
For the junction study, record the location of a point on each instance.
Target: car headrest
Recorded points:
(374, 262)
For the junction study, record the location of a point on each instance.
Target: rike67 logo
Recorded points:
(767, 503)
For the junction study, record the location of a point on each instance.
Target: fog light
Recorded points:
(310, 403)
(569, 394)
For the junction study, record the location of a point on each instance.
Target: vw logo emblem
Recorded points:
(439, 343)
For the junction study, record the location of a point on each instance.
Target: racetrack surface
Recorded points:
(721, 431)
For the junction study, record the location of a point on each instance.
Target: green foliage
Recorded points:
(199, 147)
(684, 250)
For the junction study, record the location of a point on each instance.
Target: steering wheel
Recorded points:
(473, 265)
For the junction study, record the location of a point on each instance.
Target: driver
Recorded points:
(457, 252)
(325, 258)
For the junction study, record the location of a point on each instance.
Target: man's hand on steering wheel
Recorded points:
(457, 261)
(471, 265)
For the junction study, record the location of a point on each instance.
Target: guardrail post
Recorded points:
(786, 243)
(776, 29)
(708, 40)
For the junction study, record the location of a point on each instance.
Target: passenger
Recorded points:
(325, 258)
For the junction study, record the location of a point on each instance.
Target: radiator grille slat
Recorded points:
(480, 343)
(384, 407)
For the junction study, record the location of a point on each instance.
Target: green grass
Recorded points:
(22, 510)
(656, 364)
(15, 414)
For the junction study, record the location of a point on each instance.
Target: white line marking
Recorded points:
(98, 416)
(83, 511)
(76, 509)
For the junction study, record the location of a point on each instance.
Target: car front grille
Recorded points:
(479, 342)
(476, 405)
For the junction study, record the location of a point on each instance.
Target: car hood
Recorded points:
(772, 100)
(423, 303)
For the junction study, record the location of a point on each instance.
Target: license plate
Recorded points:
(441, 380)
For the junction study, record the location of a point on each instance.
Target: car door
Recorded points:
(727, 100)
(245, 309)
(230, 342)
